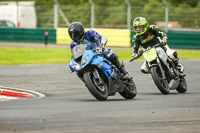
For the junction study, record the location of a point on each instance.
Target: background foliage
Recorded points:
(113, 13)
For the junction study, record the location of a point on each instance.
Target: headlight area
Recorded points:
(77, 66)
(85, 60)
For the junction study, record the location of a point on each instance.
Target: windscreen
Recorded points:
(90, 45)
(78, 51)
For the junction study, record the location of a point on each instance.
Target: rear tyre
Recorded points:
(129, 91)
(182, 87)
(162, 84)
(99, 92)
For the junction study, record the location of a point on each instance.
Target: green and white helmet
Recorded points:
(140, 21)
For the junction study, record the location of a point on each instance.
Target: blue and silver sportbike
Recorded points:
(100, 77)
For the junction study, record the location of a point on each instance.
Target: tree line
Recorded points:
(113, 13)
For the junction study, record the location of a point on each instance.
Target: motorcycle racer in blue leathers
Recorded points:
(79, 36)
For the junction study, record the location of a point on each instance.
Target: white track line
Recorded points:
(7, 98)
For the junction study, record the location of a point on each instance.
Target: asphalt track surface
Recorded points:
(68, 107)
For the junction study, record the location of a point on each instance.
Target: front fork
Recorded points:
(97, 77)
(161, 68)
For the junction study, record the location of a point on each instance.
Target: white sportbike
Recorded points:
(163, 70)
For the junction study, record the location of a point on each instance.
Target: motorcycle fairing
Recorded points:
(73, 63)
(150, 55)
(162, 55)
(100, 62)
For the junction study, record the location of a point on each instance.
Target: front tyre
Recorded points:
(129, 91)
(161, 83)
(99, 92)
(182, 87)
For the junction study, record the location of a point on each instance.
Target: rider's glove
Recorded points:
(101, 45)
(98, 50)
(164, 41)
(103, 41)
(134, 55)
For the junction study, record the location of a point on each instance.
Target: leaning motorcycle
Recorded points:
(100, 77)
(163, 70)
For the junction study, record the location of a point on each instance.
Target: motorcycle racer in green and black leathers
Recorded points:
(150, 35)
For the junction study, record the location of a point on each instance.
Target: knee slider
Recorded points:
(113, 57)
(175, 55)
(172, 54)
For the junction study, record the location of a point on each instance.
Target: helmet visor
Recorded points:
(76, 36)
(139, 27)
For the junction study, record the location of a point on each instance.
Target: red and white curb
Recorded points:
(8, 93)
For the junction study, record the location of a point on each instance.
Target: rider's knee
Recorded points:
(175, 54)
(172, 54)
(112, 56)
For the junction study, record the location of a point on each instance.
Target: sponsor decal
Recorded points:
(147, 39)
(100, 65)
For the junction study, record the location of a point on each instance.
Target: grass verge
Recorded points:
(17, 56)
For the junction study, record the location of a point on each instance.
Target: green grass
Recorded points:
(182, 54)
(16, 56)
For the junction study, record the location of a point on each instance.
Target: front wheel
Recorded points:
(182, 87)
(129, 91)
(99, 92)
(161, 83)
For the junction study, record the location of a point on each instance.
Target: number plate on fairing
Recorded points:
(150, 55)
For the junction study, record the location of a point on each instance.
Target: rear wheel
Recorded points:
(182, 87)
(161, 83)
(129, 91)
(99, 92)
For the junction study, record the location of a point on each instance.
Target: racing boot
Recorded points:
(124, 72)
(114, 60)
(179, 66)
(122, 69)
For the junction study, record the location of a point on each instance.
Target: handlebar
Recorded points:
(132, 59)
(158, 45)
(99, 49)
(139, 54)
(141, 51)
